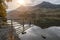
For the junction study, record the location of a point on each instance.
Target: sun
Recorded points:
(21, 2)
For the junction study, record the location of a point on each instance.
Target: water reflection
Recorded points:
(34, 33)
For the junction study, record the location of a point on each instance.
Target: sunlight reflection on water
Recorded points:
(35, 32)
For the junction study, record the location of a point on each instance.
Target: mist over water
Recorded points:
(34, 33)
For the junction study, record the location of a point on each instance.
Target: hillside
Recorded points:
(41, 15)
(48, 5)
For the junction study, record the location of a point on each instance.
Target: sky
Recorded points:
(14, 4)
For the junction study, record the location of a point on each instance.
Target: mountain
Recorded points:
(48, 5)
(43, 15)
(42, 8)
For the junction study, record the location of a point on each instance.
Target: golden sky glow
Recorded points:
(21, 2)
(17, 3)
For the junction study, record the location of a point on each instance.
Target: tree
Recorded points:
(3, 14)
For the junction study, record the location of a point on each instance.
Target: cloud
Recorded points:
(57, 1)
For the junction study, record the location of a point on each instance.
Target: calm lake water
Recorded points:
(34, 33)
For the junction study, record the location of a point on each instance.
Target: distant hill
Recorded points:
(42, 9)
(44, 14)
(48, 5)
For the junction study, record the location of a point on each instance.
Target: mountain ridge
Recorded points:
(48, 5)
